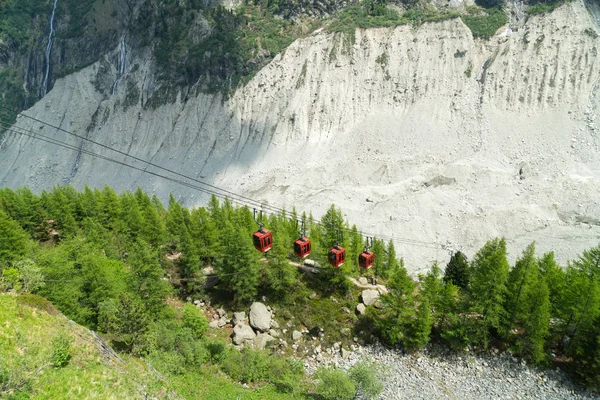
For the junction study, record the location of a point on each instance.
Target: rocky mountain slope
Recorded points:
(424, 134)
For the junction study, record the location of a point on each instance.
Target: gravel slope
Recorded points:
(437, 374)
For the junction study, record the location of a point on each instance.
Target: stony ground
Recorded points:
(438, 374)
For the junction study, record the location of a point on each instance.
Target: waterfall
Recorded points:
(122, 54)
(49, 50)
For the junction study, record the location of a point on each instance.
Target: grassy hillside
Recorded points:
(31, 348)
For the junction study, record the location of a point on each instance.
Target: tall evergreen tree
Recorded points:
(521, 280)
(536, 320)
(239, 268)
(458, 271)
(488, 288)
(399, 307)
(13, 240)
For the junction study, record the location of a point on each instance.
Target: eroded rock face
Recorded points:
(384, 114)
(260, 317)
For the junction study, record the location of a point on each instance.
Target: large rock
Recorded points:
(360, 308)
(260, 317)
(238, 317)
(261, 340)
(369, 296)
(296, 335)
(242, 333)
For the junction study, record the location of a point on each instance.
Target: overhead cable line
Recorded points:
(231, 196)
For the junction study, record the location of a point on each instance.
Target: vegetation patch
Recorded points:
(370, 15)
(537, 7)
(484, 22)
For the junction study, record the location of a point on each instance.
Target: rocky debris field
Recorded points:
(436, 373)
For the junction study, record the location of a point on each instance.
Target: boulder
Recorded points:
(222, 322)
(221, 312)
(214, 324)
(242, 333)
(238, 317)
(275, 333)
(360, 308)
(362, 280)
(296, 335)
(345, 353)
(261, 340)
(369, 296)
(260, 317)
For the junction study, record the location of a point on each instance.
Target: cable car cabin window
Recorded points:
(332, 257)
(256, 240)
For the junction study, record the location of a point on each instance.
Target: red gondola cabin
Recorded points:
(302, 247)
(365, 259)
(337, 256)
(263, 240)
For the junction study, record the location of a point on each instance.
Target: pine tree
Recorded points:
(520, 282)
(488, 288)
(399, 307)
(239, 267)
(152, 229)
(583, 298)
(281, 276)
(419, 328)
(14, 242)
(555, 277)
(536, 320)
(458, 271)
(147, 276)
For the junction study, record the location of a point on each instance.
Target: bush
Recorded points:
(192, 318)
(364, 376)
(251, 365)
(484, 23)
(35, 301)
(334, 384)
(61, 350)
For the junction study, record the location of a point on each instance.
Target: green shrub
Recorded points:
(334, 384)
(10, 279)
(61, 350)
(192, 318)
(364, 376)
(250, 365)
(217, 349)
(35, 301)
(484, 22)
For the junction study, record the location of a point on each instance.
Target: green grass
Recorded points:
(361, 16)
(26, 351)
(26, 346)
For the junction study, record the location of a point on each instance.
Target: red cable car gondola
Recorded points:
(302, 247)
(365, 259)
(263, 240)
(337, 256)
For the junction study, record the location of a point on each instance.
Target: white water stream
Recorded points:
(49, 50)
(122, 54)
